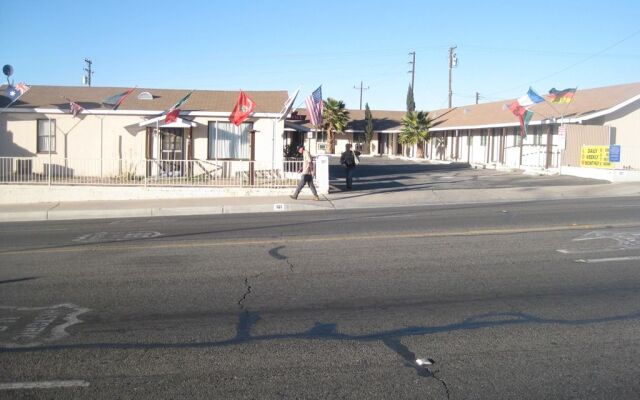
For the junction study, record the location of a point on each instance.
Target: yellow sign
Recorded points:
(595, 157)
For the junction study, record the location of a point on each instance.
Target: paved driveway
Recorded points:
(381, 174)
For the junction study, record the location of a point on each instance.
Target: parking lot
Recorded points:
(382, 174)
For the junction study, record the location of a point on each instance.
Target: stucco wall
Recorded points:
(627, 125)
(122, 137)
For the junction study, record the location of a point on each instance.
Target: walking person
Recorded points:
(307, 175)
(350, 160)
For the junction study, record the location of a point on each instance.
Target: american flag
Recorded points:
(314, 106)
(75, 108)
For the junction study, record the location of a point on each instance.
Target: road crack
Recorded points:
(247, 292)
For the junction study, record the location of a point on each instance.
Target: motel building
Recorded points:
(597, 135)
(41, 142)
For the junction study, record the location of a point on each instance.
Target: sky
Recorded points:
(503, 47)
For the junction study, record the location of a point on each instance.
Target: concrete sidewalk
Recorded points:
(334, 201)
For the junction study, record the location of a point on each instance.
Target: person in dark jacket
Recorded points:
(349, 159)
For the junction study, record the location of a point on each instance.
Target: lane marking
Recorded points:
(34, 230)
(116, 236)
(291, 239)
(32, 326)
(612, 259)
(43, 385)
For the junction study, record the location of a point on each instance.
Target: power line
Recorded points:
(572, 65)
(361, 89)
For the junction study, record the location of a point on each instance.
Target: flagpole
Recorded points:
(12, 101)
(49, 174)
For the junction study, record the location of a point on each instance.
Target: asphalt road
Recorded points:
(523, 300)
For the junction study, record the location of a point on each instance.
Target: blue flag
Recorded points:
(535, 97)
(11, 93)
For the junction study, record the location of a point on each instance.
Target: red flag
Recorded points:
(75, 108)
(243, 109)
(172, 116)
(524, 116)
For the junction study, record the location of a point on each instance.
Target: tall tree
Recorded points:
(336, 117)
(411, 104)
(415, 130)
(368, 128)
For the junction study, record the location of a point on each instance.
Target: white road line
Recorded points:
(43, 385)
(33, 230)
(600, 260)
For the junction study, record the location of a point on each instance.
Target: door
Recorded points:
(171, 151)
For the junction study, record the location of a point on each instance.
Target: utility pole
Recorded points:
(361, 89)
(477, 97)
(413, 68)
(453, 62)
(87, 72)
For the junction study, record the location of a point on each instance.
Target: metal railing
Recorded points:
(67, 171)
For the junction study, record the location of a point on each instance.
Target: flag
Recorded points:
(117, 99)
(22, 88)
(14, 92)
(562, 96)
(523, 115)
(530, 98)
(288, 105)
(172, 116)
(243, 109)
(181, 101)
(75, 108)
(315, 106)
(524, 122)
(173, 113)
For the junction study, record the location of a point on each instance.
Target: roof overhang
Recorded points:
(141, 113)
(291, 127)
(602, 113)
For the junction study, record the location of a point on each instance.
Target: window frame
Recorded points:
(214, 149)
(51, 143)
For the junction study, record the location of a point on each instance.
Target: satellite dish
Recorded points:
(7, 70)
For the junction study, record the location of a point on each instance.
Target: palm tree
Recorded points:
(335, 118)
(415, 130)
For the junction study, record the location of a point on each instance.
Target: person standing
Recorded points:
(307, 175)
(350, 160)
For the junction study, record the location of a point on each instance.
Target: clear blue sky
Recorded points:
(503, 47)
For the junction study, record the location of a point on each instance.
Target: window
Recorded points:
(46, 143)
(227, 141)
(483, 137)
(537, 135)
(517, 139)
(321, 136)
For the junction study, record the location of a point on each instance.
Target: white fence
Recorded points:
(66, 171)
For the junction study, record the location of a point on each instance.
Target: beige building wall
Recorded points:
(627, 134)
(111, 145)
(582, 135)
